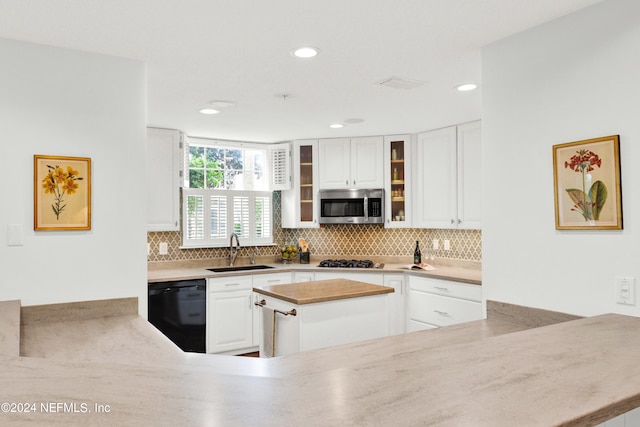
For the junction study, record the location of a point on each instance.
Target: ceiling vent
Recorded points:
(398, 83)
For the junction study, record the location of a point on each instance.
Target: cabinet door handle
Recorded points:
(441, 313)
(354, 182)
(441, 288)
(232, 284)
(273, 280)
(452, 221)
(250, 304)
(459, 221)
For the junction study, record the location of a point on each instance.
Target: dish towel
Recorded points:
(269, 331)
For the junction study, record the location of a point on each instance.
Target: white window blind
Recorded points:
(211, 216)
(280, 155)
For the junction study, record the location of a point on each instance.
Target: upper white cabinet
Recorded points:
(163, 179)
(351, 162)
(397, 181)
(469, 175)
(448, 178)
(299, 204)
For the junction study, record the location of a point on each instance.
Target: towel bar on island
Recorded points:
(291, 312)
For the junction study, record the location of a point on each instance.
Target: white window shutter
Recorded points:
(280, 157)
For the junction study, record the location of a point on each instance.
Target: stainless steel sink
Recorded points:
(239, 268)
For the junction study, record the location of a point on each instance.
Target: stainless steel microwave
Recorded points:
(354, 206)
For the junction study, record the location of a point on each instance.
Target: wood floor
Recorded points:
(254, 354)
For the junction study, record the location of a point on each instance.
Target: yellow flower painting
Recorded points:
(62, 193)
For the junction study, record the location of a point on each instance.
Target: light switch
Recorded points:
(447, 245)
(15, 235)
(435, 244)
(625, 290)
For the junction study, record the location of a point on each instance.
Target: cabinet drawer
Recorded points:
(224, 284)
(446, 288)
(442, 311)
(271, 279)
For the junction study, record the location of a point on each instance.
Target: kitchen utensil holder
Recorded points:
(304, 257)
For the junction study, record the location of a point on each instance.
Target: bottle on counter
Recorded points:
(417, 255)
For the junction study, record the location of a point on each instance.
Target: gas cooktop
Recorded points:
(349, 263)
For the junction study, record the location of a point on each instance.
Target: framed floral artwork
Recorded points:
(586, 181)
(61, 193)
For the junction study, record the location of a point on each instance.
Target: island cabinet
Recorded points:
(432, 303)
(327, 313)
(351, 162)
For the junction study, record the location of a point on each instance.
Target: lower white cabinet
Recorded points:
(229, 314)
(397, 311)
(233, 325)
(432, 303)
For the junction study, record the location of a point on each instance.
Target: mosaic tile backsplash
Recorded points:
(336, 240)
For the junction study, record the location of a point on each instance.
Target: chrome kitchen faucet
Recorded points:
(233, 251)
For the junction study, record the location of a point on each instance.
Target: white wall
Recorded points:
(63, 102)
(571, 79)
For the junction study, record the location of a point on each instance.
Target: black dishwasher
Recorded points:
(179, 310)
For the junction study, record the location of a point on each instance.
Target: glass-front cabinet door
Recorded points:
(397, 178)
(299, 205)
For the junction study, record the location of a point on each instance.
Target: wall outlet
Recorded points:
(447, 245)
(148, 249)
(163, 248)
(436, 245)
(626, 290)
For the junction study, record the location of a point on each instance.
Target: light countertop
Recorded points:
(467, 272)
(483, 373)
(322, 291)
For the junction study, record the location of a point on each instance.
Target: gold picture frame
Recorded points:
(586, 178)
(61, 193)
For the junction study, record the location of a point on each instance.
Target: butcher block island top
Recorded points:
(322, 291)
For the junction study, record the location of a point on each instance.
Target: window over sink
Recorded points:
(226, 190)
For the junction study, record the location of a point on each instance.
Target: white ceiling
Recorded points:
(202, 50)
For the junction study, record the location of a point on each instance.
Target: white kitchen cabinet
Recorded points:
(397, 181)
(373, 278)
(303, 276)
(299, 204)
(448, 178)
(328, 323)
(264, 280)
(351, 162)
(163, 165)
(397, 312)
(436, 302)
(229, 314)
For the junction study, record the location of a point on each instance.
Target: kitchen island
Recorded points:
(484, 373)
(322, 313)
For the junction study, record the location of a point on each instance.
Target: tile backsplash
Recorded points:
(336, 240)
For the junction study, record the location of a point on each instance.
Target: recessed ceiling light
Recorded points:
(336, 125)
(305, 52)
(209, 110)
(221, 104)
(465, 87)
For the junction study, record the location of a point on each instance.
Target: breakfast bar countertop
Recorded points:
(321, 291)
(577, 373)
